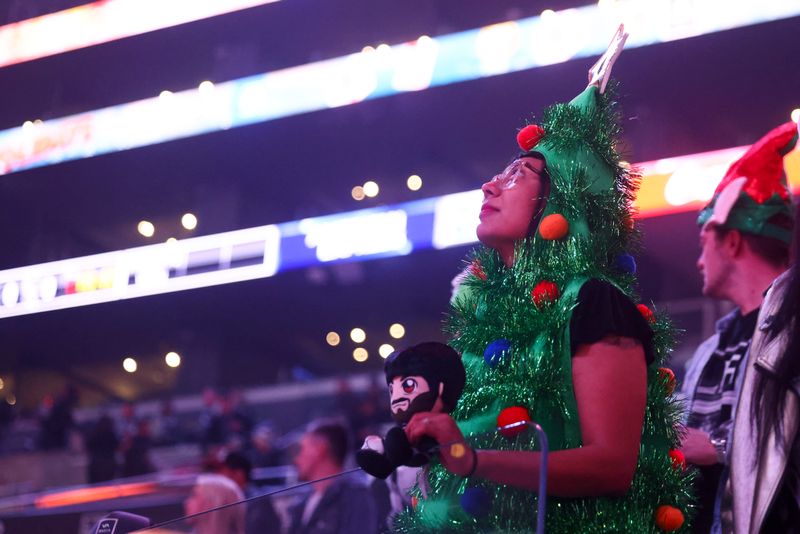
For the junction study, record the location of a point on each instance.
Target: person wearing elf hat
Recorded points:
(764, 483)
(548, 332)
(745, 234)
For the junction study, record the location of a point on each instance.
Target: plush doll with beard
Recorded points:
(428, 377)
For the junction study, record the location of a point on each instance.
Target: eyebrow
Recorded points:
(529, 166)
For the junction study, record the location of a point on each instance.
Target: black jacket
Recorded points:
(347, 507)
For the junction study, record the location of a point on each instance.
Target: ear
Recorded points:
(734, 243)
(441, 388)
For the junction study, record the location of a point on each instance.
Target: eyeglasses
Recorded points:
(512, 173)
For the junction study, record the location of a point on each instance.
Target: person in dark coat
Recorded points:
(337, 505)
(102, 444)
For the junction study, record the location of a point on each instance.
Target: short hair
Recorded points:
(335, 435)
(236, 461)
(437, 363)
(773, 251)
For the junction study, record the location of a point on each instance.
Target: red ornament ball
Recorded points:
(414, 502)
(553, 227)
(646, 313)
(668, 518)
(511, 415)
(477, 270)
(668, 377)
(528, 137)
(545, 292)
(678, 459)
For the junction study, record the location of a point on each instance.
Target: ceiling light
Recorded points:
(397, 330)
(173, 359)
(358, 335)
(130, 365)
(189, 221)
(360, 354)
(333, 339)
(371, 189)
(146, 228)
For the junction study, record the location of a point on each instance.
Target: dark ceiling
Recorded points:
(689, 96)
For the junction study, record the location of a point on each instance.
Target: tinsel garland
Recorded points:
(495, 303)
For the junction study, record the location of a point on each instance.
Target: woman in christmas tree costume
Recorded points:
(548, 332)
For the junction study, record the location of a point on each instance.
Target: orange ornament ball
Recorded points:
(553, 227)
(511, 415)
(668, 518)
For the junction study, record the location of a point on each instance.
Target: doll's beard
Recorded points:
(421, 403)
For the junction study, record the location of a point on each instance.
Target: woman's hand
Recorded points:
(697, 448)
(455, 455)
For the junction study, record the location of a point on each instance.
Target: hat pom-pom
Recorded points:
(528, 137)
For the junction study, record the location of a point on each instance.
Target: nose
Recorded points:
(490, 188)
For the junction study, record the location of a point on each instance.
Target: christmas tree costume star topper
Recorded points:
(510, 320)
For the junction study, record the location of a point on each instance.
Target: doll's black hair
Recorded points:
(436, 363)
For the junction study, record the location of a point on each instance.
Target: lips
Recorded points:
(487, 209)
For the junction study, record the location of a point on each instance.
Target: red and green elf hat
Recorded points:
(754, 190)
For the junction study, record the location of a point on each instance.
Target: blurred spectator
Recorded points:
(212, 433)
(764, 483)
(237, 425)
(166, 428)
(212, 491)
(136, 450)
(58, 422)
(264, 453)
(101, 445)
(337, 505)
(260, 517)
(6, 418)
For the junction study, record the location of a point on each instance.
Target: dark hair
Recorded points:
(236, 461)
(769, 396)
(335, 435)
(545, 176)
(773, 251)
(436, 363)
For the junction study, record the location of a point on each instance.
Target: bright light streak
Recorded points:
(103, 22)
(669, 186)
(497, 49)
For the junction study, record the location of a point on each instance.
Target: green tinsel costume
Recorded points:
(591, 192)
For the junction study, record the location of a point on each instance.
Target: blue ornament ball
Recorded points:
(626, 263)
(476, 502)
(495, 352)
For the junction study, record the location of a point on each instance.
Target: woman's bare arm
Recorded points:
(610, 382)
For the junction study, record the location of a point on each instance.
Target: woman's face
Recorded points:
(510, 202)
